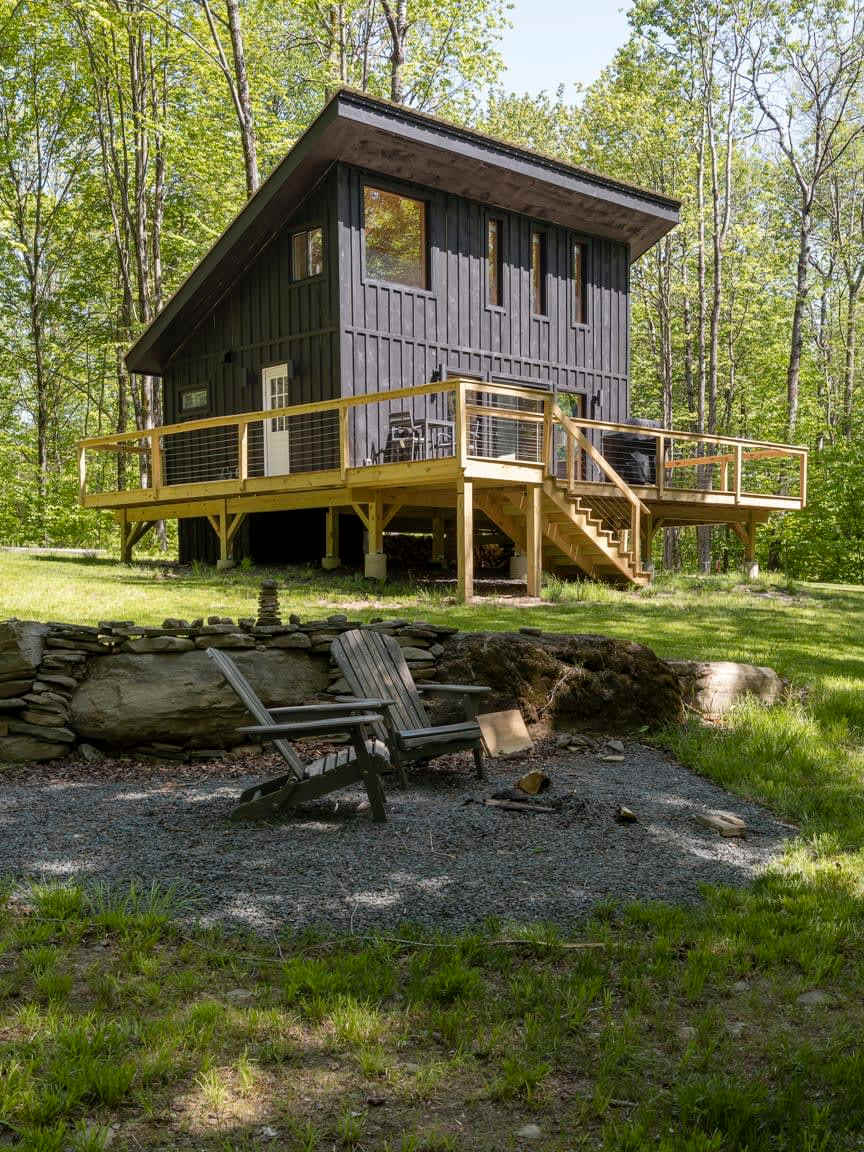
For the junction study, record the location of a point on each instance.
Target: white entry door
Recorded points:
(277, 453)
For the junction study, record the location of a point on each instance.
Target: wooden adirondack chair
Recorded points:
(365, 761)
(373, 665)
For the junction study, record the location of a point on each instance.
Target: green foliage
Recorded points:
(826, 540)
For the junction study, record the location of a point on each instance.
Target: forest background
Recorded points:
(131, 132)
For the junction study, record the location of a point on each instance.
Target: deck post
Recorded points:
(375, 562)
(331, 557)
(751, 564)
(438, 556)
(155, 461)
(636, 537)
(221, 526)
(243, 454)
(534, 540)
(465, 540)
(82, 473)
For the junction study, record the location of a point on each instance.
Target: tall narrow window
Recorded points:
(538, 273)
(395, 237)
(307, 254)
(495, 263)
(580, 302)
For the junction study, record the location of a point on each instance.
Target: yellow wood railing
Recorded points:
(488, 423)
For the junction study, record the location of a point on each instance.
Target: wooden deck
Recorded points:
(574, 495)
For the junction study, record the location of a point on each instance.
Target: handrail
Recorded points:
(238, 419)
(599, 459)
(711, 437)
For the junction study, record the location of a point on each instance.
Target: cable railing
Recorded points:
(491, 430)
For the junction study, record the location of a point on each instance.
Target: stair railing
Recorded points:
(576, 439)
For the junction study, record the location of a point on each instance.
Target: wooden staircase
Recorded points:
(576, 540)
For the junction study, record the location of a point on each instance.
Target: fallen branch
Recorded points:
(519, 806)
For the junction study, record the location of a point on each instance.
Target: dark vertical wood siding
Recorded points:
(264, 319)
(394, 336)
(346, 335)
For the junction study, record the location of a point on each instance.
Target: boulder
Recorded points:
(565, 680)
(713, 687)
(128, 700)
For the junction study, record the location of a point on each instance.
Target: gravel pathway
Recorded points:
(442, 859)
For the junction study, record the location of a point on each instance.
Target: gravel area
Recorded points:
(443, 858)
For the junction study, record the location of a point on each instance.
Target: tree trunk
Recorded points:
(397, 23)
(247, 121)
(849, 366)
(793, 372)
(41, 404)
(703, 532)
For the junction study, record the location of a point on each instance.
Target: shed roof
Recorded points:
(400, 142)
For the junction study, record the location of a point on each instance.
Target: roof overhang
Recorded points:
(405, 144)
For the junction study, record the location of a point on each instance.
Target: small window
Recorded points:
(395, 237)
(307, 254)
(538, 273)
(193, 399)
(580, 295)
(495, 262)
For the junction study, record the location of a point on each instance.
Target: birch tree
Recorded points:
(806, 65)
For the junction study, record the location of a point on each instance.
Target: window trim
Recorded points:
(396, 189)
(543, 232)
(195, 411)
(488, 218)
(307, 229)
(574, 238)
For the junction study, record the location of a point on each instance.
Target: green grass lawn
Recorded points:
(683, 1031)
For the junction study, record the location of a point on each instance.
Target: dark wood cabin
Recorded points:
(388, 250)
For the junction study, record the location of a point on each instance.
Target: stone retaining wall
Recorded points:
(122, 688)
(63, 683)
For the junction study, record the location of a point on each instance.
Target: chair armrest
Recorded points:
(343, 705)
(460, 689)
(372, 703)
(311, 727)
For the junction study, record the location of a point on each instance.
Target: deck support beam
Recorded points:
(226, 526)
(375, 562)
(465, 540)
(331, 559)
(131, 532)
(534, 539)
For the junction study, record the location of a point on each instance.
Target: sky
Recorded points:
(556, 42)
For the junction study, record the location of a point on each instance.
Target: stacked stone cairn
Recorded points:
(268, 606)
(42, 665)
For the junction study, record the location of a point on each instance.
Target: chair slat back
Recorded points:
(374, 666)
(253, 703)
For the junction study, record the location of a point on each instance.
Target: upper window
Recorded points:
(580, 295)
(538, 273)
(193, 399)
(495, 262)
(395, 237)
(307, 253)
